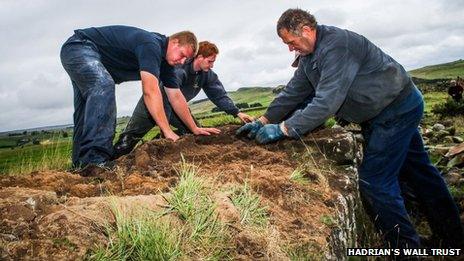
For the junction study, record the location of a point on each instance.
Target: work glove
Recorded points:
(250, 128)
(269, 133)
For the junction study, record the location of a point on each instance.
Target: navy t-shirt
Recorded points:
(126, 50)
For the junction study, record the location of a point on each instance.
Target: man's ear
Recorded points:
(306, 29)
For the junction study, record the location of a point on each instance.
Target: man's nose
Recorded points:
(291, 48)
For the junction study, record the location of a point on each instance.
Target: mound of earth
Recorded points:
(57, 215)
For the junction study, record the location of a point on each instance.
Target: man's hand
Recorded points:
(206, 131)
(170, 135)
(245, 118)
(250, 128)
(269, 133)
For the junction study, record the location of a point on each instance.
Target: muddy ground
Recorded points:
(62, 216)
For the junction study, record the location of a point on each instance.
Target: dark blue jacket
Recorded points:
(346, 75)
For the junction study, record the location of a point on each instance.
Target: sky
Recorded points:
(35, 90)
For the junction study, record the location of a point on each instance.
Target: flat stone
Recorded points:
(438, 127)
(441, 134)
(338, 145)
(439, 149)
(456, 161)
(455, 150)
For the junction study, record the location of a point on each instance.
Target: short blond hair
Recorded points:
(187, 38)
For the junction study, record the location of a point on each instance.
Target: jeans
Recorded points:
(141, 121)
(94, 102)
(394, 153)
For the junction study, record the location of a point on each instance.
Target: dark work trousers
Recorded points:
(94, 102)
(141, 121)
(394, 153)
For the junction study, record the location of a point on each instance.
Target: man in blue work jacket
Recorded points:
(97, 58)
(346, 75)
(193, 76)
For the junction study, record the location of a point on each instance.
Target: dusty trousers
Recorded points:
(94, 102)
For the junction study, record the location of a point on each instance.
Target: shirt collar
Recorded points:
(190, 67)
(318, 40)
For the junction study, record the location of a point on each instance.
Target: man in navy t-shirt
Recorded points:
(194, 76)
(97, 58)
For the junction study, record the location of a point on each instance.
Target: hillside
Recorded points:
(262, 95)
(220, 197)
(444, 70)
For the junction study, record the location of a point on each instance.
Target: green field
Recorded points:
(52, 155)
(249, 95)
(440, 71)
(54, 149)
(433, 98)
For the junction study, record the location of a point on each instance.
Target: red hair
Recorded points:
(206, 49)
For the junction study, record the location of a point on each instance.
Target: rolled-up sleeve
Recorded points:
(338, 69)
(218, 95)
(294, 93)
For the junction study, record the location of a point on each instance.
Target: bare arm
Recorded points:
(180, 106)
(154, 102)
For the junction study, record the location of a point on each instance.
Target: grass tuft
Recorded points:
(305, 252)
(191, 200)
(329, 221)
(299, 176)
(249, 205)
(140, 237)
(53, 155)
(188, 229)
(449, 108)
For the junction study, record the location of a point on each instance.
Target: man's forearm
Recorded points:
(154, 100)
(180, 106)
(155, 106)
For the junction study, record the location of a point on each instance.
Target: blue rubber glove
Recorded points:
(269, 133)
(250, 128)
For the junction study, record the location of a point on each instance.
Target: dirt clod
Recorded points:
(61, 216)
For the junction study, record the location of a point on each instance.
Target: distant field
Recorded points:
(445, 70)
(433, 98)
(7, 141)
(249, 95)
(54, 152)
(54, 155)
(223, 119)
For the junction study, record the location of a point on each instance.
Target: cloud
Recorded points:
(45, 92)
(35, 90)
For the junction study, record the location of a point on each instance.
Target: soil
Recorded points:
(58, 215)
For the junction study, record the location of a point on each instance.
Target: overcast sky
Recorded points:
(35, 90)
